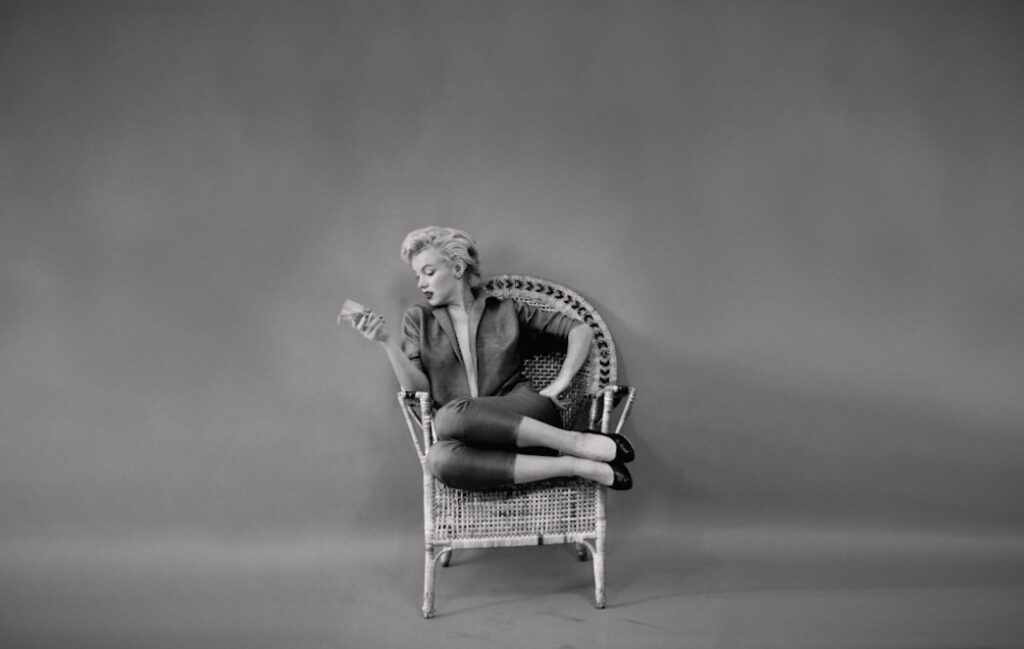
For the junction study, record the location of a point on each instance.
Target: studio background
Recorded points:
(801, 222)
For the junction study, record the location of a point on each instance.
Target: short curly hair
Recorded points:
(455, 245)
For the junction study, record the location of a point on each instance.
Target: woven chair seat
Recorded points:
(542, 513)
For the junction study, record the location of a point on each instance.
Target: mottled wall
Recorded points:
(802, 222)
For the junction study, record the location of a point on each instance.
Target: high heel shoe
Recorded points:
(622, 481)
(623, 449)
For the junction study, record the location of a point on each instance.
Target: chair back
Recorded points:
(541, 369)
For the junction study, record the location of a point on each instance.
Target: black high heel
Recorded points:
(623, 481)
(623, 449)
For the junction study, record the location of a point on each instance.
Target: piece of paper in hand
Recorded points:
(350, 309)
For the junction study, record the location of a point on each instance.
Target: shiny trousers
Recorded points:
(476, 437)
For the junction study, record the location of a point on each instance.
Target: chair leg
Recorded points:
(429, 566)
(581, 552)
(599, 599)
(597, 553)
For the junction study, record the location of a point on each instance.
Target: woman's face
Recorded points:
(435, 276)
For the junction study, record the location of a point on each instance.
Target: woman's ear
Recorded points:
(458, 268)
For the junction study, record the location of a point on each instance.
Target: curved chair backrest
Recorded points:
(600, 369)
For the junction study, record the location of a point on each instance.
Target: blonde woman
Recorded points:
(462, 347)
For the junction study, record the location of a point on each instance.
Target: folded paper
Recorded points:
(350, 309)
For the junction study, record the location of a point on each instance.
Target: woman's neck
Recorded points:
(464, 300)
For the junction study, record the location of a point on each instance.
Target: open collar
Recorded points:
(476, 312)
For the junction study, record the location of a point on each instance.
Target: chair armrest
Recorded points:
(604, 402)
(418, 409)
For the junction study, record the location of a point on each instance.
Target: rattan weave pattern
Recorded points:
(556, 511)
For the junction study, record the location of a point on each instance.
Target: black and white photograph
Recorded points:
(344, 324)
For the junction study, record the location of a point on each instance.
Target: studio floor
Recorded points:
(709, 585)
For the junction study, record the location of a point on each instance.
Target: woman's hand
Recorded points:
(552, 392)
(371, 326)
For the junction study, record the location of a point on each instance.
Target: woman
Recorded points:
(493, 428)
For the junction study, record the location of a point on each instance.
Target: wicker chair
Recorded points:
(540, 513)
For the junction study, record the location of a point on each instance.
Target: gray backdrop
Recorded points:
(802, 223)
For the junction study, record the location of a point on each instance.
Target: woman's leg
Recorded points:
(491, 422)
(457, 464)
(532, 432)
(531, 468)
(465, 467)
(520, 420)
(486, 442)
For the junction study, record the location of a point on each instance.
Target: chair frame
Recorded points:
(565, 510)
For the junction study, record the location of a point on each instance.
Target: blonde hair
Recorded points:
(455, 245)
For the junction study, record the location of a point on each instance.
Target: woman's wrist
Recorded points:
(557, 386)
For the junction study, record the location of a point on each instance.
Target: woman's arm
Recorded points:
(580, 338)
(410, 377)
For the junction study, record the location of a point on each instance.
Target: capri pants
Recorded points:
(476, 437)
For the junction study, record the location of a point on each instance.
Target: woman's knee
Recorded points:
(464, 467)
(449, 420)
(447, 463)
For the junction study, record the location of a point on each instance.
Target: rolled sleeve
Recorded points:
(412, 327)
(545, 323)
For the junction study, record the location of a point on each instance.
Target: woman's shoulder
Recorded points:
(500, 304)
(417, 313)
(417, 309)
